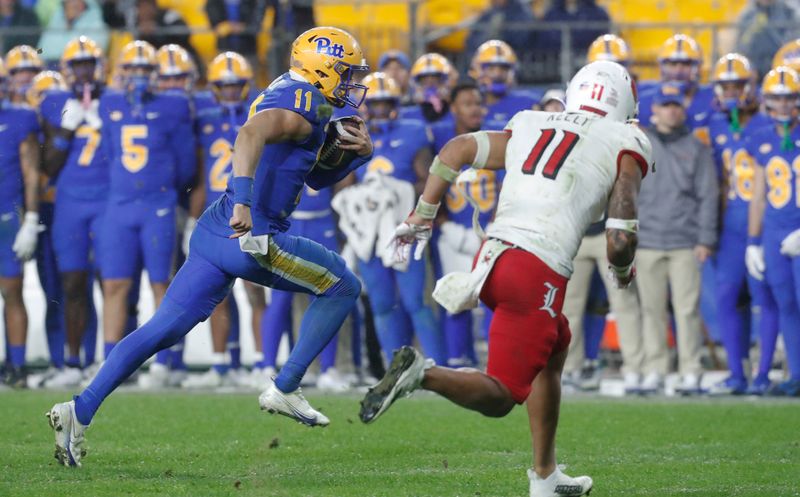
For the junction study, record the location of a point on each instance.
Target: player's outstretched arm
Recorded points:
(464, 149)
(482, 149)
(262, 128)
(622, 224)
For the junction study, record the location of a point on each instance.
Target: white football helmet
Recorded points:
(604, 88)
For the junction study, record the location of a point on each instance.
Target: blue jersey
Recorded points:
(16, 124)
(782, 173)
(217, 127)
(84, 175)
(316, 201)
(735, 165)
(484, 191)
(151, 146)
(511, 103)
(697, 114)
(395, 144)
(285, 167)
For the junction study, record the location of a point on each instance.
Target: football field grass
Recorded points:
(180, 444)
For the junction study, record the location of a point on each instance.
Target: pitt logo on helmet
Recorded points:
(324, 47)
(328, 58)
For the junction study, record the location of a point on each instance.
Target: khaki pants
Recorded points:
(624, 306)
(678, 271)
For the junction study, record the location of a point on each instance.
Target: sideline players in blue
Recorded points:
(457, 242)
(773, 244)
(19, 224)
(243, 234)
(73, 158)
(432, 75)
(218, 122)
(495, 67)
(175, 75)
(403, 152)
(149, 140)
(42, 84)
(679, 60)
(736, 119)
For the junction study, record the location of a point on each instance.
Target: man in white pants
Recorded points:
(678, 215)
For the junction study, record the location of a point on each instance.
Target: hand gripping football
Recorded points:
(330, 156)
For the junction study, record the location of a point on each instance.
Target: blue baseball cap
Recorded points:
(670, 93)
(391, 55)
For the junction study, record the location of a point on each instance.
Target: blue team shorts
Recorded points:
(10, 266)
(293, 264)
(76, 232)
(142, 229)
(322, 230)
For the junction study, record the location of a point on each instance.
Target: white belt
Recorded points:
(306, 215)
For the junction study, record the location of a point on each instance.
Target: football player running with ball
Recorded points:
(562, 171)
(242, 235)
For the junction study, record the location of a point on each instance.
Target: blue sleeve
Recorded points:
(322, 178)
(183, 146)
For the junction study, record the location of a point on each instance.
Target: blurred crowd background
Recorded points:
(438, 58)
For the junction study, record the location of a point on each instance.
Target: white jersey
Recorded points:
(560, 169)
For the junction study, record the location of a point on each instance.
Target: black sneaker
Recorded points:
(405, 374)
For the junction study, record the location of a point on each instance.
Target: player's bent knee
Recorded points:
(347, 286)
(499, 410)
(503, 399)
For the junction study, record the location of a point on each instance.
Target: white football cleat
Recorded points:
(68, 432)
(559, 485)
(292, 405)
(65, 378)
(405, 375)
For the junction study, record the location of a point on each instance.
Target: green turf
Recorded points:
(206, 445)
